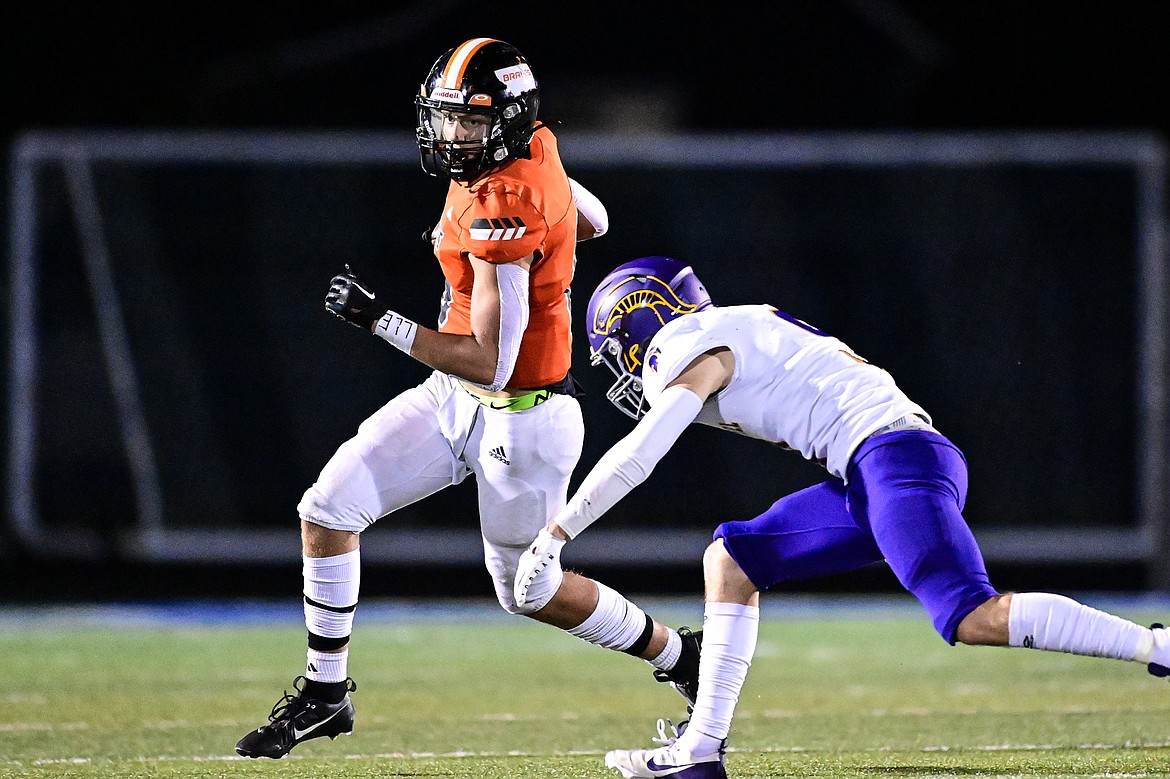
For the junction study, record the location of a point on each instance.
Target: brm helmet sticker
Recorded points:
(517, 79)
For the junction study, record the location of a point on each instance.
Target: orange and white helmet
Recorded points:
(476, 109)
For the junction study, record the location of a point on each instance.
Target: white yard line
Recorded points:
(588, 753)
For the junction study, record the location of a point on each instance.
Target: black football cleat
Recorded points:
(296, 718)
(684, 677)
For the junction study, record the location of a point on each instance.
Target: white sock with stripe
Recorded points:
(331, 596)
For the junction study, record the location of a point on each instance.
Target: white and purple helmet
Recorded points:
(628, 307)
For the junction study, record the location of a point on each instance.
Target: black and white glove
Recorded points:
(539, 573)
(352, 300)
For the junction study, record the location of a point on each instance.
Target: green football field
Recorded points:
(463, 691)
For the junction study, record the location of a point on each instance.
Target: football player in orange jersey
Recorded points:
(500, 403)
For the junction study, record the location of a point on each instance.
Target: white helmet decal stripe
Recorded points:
(453, 75)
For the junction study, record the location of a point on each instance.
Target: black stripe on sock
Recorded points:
(330, 692)
(334, 609)
(639, 646)
(325, 643)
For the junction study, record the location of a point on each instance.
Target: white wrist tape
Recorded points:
(397, 330)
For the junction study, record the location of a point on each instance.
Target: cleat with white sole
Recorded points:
(665, 761)
(668, 760)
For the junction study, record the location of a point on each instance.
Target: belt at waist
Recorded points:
(527, 398)
(908, 422)
(521, 402)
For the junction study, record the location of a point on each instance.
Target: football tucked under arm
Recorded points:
(623, 467)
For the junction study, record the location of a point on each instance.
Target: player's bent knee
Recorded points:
(714, 553)
(320, 541)
(542, 592)
(316, 509)
(718, 561)
(530, 608)
(725, 580)
(504, 596)
(987, 624)
(516, 611)
(535, 602)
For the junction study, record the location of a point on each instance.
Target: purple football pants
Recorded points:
(903, 503)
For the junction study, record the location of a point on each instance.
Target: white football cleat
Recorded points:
(666, 761)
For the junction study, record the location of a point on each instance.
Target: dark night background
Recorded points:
(818, 64)
(622, 67)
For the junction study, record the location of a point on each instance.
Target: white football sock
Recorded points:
(331, 596)
(1157, 649)
(327, 666)
(1040, 620)
(670, 653)
(614, 624)
(730, 631)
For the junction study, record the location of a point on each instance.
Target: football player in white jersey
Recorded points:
(896, 494)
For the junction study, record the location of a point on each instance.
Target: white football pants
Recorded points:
(432, 436)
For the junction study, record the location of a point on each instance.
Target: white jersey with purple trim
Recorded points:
(792, 385)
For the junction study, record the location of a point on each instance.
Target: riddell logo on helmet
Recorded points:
(449, 95)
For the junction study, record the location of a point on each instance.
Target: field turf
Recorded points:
(465, 691)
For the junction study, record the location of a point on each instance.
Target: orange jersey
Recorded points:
(524, 207)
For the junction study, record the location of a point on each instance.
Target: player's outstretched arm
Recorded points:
(623, 467)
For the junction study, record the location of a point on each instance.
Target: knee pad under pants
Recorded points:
(436, 434)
